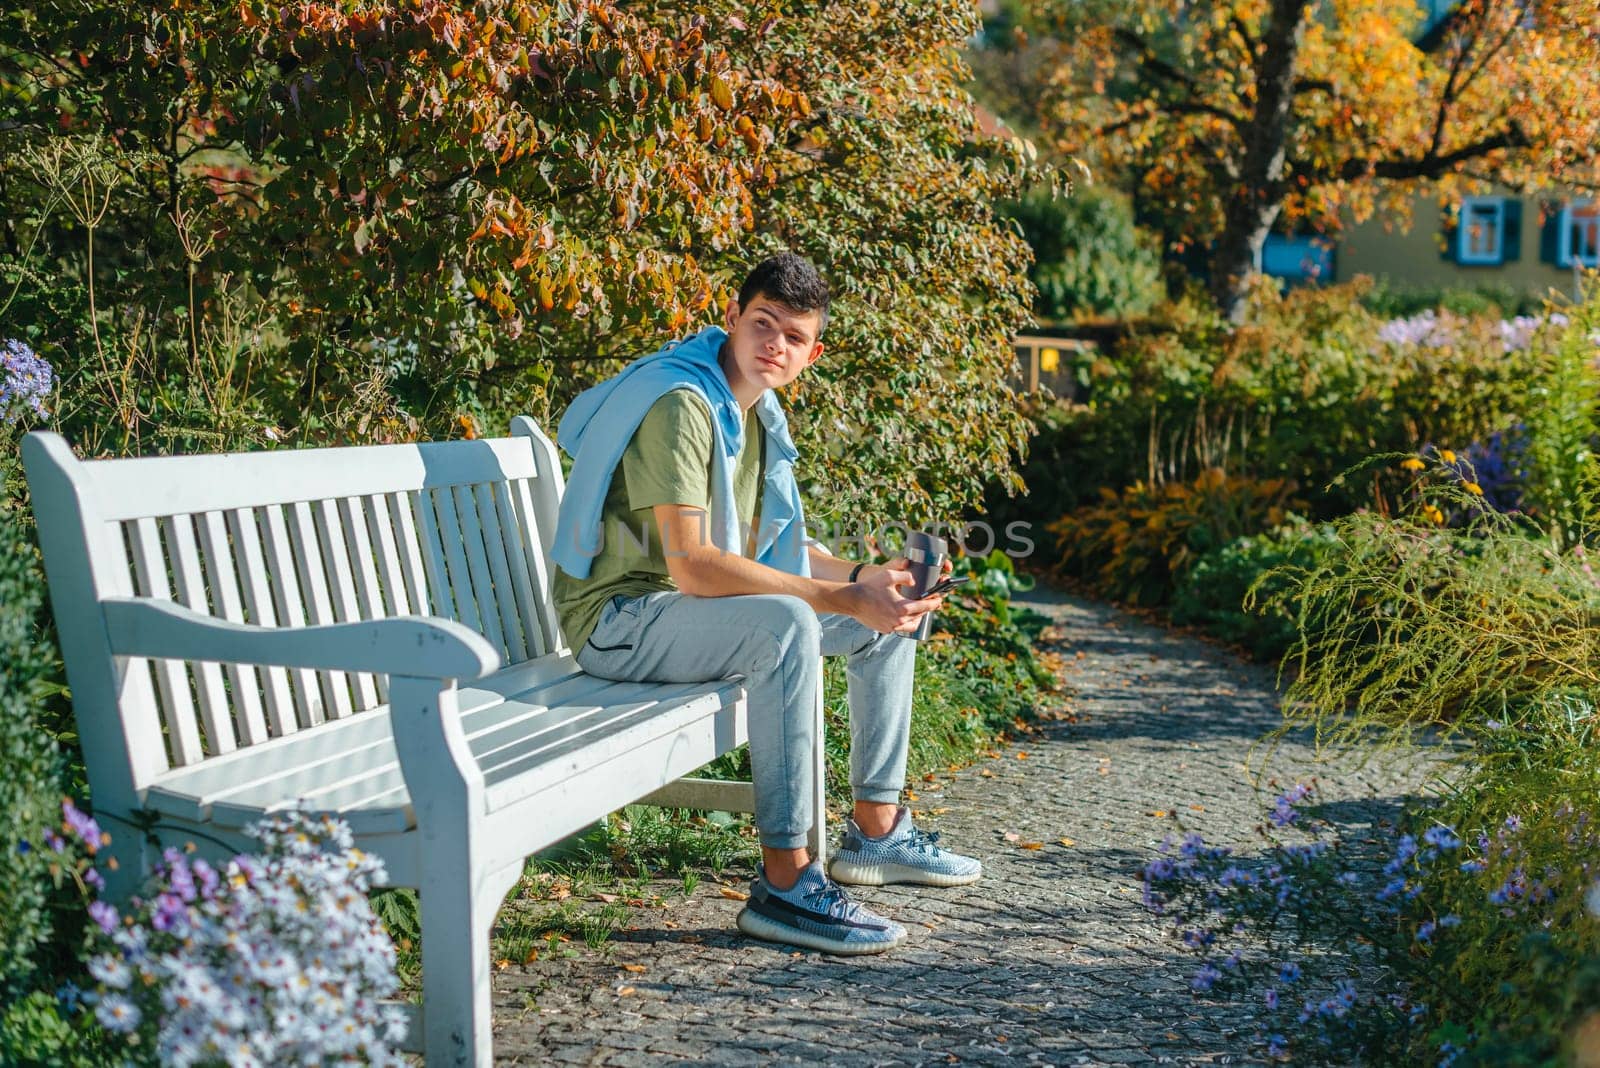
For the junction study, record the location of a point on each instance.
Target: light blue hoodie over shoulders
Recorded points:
(601, 420)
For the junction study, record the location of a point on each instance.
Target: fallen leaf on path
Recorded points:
(1030, 845)
(986, 773)
(1022, 756)
(607, 898)
(733, 895)
(625, 991)
(1012, 836)
(634, 968)
(502, 964)
(1067, 842)
(1159, 813)
(1198, 808)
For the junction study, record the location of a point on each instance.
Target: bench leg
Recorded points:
(819, 778)
(456, 920)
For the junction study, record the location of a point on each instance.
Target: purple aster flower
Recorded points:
(1393, 888)
(1288, 972)
(93, 878)
(1425, 932)
(26, 379)
(104, 915)
(1205, 978)
(1441, 838)
(1277, 1046)
(81, 824)
(1271, 998)
(170, 914)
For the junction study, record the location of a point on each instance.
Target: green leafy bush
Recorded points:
(1089, 260)
(1213, 594)
(1311, 386)
(30, 764)
(1389, 300)
(1137, 545)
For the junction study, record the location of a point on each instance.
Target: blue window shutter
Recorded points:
(1511, 233)
(1550, 233)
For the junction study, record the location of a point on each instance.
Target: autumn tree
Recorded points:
(1228, 117)
(420, 216)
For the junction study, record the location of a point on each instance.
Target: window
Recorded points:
(1482, 235)
(1297, 260)
(1580, 234)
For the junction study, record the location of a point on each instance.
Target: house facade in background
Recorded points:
(1529, 243)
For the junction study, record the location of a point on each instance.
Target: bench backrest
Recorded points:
(455, 529)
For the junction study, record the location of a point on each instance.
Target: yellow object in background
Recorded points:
(1049, 359)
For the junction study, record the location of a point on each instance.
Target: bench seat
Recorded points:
(529, 727)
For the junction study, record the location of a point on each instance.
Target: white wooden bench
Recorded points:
(251, 631)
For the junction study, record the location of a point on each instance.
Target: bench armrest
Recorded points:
(418, 646)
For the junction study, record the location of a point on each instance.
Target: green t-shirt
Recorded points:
(668, 461)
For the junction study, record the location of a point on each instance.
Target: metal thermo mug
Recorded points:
(926, 554)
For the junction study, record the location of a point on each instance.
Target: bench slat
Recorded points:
(182, 485)
(369, 595)
(450, 535)
(424, 598)
(387, 555)
(505, 598)
(254, 579)
(172, 679)
(440, 596)
(216, 553)
(634, 730)
(520, 582)
(470, 538)
(185, 557)
(319, 609)
(533, 552)
(342, 586)
(291, 611)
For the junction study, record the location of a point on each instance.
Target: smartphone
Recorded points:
(946, 584)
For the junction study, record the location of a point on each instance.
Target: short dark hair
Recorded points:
(791, 280)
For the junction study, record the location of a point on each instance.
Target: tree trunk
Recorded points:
(1258, 197)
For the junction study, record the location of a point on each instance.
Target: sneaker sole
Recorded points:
(758, 926)
(843, 871)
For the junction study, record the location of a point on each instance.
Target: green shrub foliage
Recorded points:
(30, 769)
(1089, 259)
(229, 225)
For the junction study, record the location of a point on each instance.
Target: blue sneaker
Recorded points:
(905, 855)
(816, 914)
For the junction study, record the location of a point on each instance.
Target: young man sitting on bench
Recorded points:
(656, 581)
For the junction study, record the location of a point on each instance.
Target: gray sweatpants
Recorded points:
(773, 640)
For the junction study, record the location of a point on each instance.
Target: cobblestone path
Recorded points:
(1050, 959)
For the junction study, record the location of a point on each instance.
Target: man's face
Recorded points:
(771, 343)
